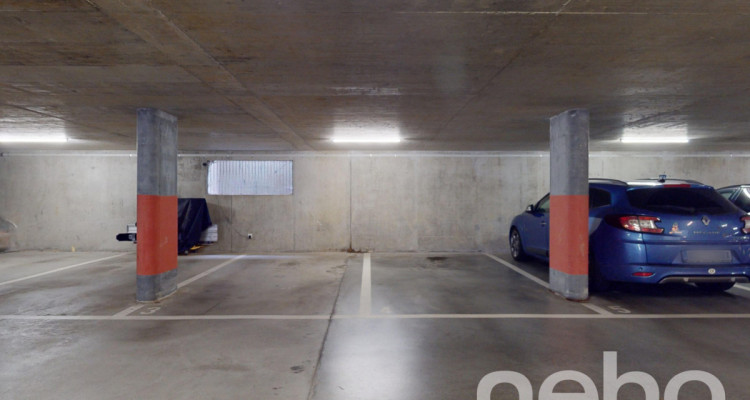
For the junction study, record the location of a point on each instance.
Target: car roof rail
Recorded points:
(668, 181)
(607, 180)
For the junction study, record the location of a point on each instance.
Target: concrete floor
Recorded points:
(333, 326)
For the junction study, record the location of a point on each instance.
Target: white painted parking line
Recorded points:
(519, 270)
(355, 317)
(161, 317)
(547, 316)
(182, 284)
(544, 284)
(365, 294)
(742, 287)
(595, 308)
(61, 269)
(129, 310)
(208, 272)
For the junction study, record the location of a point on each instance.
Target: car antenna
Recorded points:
(662, 178)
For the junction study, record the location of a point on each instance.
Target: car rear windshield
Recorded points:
(685, 201)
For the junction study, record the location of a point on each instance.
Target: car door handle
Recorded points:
(544, 223)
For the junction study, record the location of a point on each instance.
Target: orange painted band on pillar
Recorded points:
(569, 224)
(157, 234)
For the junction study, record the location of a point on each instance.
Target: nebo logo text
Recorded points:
(610, 387)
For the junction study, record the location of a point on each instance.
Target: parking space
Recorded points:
(21, 266)
(66, 283)
(293, 284)
(346, 326)
(158, 359)
(633, 299)
(446, 358)
(456, 284)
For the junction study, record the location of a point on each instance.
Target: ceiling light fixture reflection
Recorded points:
(656, 134)
(358, 135)
(33, 138)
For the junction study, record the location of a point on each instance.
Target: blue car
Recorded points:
(651, 231)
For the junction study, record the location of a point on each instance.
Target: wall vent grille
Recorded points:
(260, 178)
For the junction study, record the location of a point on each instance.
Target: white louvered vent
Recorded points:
(250, 178)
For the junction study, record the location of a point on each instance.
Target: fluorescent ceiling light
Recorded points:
(656, 134)
(366, 135)
(654, 139)
(367, 139)
(33, 138)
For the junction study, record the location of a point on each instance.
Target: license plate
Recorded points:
(707, 256)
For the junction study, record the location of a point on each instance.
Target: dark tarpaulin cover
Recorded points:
(192, 219)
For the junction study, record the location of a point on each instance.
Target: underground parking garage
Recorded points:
(408, 137)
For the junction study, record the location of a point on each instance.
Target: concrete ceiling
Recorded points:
(282, 75)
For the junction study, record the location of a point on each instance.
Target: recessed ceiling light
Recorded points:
(366, 135)
(367, 139)
(33, 138)
(654, 139)
(656, 134)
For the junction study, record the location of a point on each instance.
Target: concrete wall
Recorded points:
(439, 203)
(68, 202)
(380, 202)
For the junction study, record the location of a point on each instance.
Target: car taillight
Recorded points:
(746, 220)
(640, 223)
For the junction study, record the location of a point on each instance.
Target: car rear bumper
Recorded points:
(705, 279)
(646, 273)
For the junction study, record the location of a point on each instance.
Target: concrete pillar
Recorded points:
(569, 204)
(157, 205)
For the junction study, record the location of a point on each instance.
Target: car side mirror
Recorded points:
(530, 208)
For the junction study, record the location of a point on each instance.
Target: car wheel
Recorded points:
(714, 287)
(516, 246)
(597, 282)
